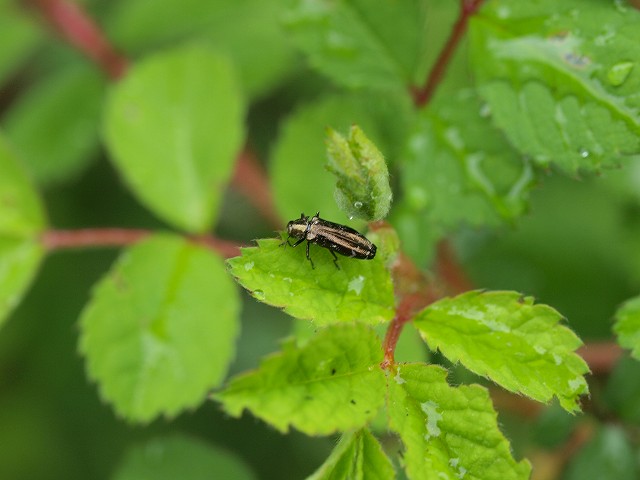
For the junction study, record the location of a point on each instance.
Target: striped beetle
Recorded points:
(332, 236)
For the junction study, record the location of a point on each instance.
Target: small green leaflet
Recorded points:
(234, 28)
(297, 165)
(363, 43)
(358, 456)
(505, 337)
(448, 432)
(332, 383)
(627, 326)
(560, 79)
(174, 126)
(55, 123)
(459, 169)
(362, 187)
(160, 328)
(282, 276)
(180, 457)
(22, 219)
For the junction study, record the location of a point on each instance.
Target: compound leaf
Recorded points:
(358, 456)
(169, 458)
(300, 180)
(363, 43)
(362, 187)
(448, 432)
(560, 79)
(627, 326)
(281, 276)
(160, 328)
(54, 124)
(234, 28)
(22, 219)
(333, 382)
(174, 126)
(505, 337)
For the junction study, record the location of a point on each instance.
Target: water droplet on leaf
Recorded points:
(485, 110)
(618, 73)
(357, 204)
(259, 294)
(584, 153)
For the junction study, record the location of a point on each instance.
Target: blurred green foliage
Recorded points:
(460, 168)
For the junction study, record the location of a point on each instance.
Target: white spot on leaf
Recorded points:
(356, 284)
(430, 409)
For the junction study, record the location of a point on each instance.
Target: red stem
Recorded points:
(118, 237)
(404, 313)
(422, 96)
(73, 24)
(449, 271)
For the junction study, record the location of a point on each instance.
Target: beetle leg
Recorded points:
(335, 259)
(286, 242)
(298, 243)
(309, 257)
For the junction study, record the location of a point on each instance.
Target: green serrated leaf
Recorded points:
(22, 220)
(282, 276)
(557, 78)
(235, 28)
(19, 262)
(334, 382)
(174, 126)
(170, 458)
(54, 125)
(363, 43)
(21, 211)
(300, 180)
(505, 337)
(362, 190)
(458, 170)
(627, 326)
(358, 456)
(160, 328)
(448, 432)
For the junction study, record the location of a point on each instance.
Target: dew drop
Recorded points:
(504, 12)
(357, 204)
(618, 73)
(259, 294)
(584, 153)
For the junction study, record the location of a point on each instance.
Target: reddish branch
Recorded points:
(120, 237)
(404, 313)
(73, 24)
(601, 356)
(421, 96)
(415, 291)
(449, 271)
